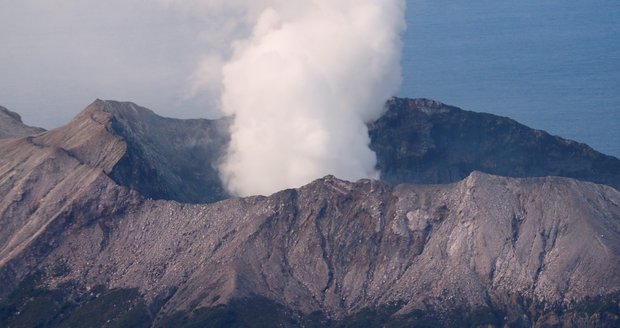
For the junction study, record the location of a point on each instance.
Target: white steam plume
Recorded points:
(301, 84)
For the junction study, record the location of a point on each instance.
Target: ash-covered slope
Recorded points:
(78, 249)
(486, 250)
(167, 158)
(11, 125)
(424, 141)
(416, 141)
(41, 175)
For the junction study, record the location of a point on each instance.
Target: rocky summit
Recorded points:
(87, 241)
(425, 141)
(416, 141)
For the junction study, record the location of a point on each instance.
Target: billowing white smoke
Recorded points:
(301, 84)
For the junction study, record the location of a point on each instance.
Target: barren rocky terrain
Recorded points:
(86, 240)
(425, 141)
(416, 141)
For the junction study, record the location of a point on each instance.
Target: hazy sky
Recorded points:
(59, 55)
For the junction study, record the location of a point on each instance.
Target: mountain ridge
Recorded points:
(416, 141)
(485, 250)
(245, 253)
(425, 141)
(151, 165)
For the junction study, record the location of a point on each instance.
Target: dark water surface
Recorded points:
(552, 65)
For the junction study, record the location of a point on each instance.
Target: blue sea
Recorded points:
(550, 64)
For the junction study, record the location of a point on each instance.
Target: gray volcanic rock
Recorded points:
(168, 158)
(40, 175)
(416, 141)
(11, 125)
(424, 141)
(78, 248)
(486, 250)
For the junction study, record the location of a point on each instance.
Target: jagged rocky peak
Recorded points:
(486, 250)
(428, 106)
(11, 125)
(165, 158)
(162, 158)
(169, 158)
(425, 141)
(416, 141)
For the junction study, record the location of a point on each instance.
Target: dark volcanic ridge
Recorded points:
(424, 141)
(416, 141)
(81, 238)
(168, 158)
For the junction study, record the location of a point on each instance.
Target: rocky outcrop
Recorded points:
(486, 250)
(11, 125)
(168, 158)
(424, 141)
(416, 141)
(161, 158)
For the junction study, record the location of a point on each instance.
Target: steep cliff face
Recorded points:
(168, 158)
(78, 249)
(11, 125)
(424, 141)
(416, 141)
(40, 176)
